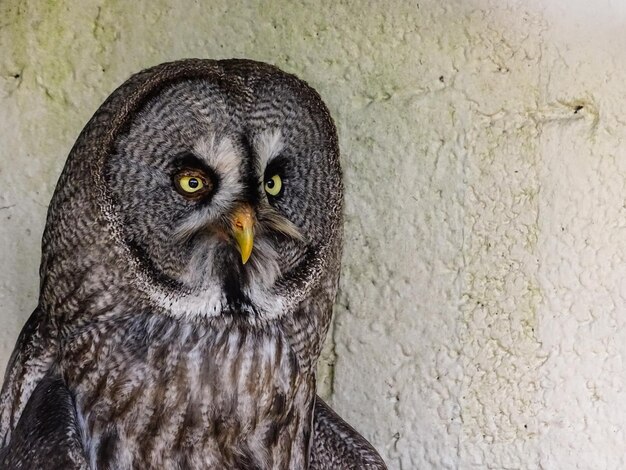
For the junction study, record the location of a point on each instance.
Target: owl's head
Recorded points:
(221, 184)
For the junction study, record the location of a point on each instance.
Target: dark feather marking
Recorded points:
(250, 178)
(279, 402)
(191, 420)
(273, 432)
(141, 253)
(107, 448)
(233, 292)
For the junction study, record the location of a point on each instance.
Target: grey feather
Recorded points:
(337, 445)
(153, 345)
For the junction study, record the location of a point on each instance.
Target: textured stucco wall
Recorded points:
(481, 321)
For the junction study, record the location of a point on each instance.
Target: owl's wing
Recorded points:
(47, 434)
(337, 446)
(34, 352)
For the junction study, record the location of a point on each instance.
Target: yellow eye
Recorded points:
(274, 185)
(190, 184)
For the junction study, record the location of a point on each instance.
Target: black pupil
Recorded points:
(193, 183)
(270, 183)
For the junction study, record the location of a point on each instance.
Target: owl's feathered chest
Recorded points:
(165, 394)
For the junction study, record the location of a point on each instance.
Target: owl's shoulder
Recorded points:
(336, 444)
(47, 434)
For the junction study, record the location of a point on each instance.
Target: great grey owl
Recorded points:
(189, 266)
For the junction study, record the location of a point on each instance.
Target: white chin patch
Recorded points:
(206, 296)
(212, 304)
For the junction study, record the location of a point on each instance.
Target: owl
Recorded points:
(190, 263)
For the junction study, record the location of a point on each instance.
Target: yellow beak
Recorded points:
(242, 227)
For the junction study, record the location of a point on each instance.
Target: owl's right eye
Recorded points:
(192, 184)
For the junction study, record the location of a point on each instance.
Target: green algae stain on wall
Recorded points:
(501, 350)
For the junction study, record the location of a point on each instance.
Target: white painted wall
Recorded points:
(482, 320)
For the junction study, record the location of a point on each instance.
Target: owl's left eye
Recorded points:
(274, 185)
(192, 184)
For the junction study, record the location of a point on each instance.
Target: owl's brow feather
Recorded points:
(268, 145)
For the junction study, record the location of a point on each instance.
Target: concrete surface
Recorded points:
(481, 322)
